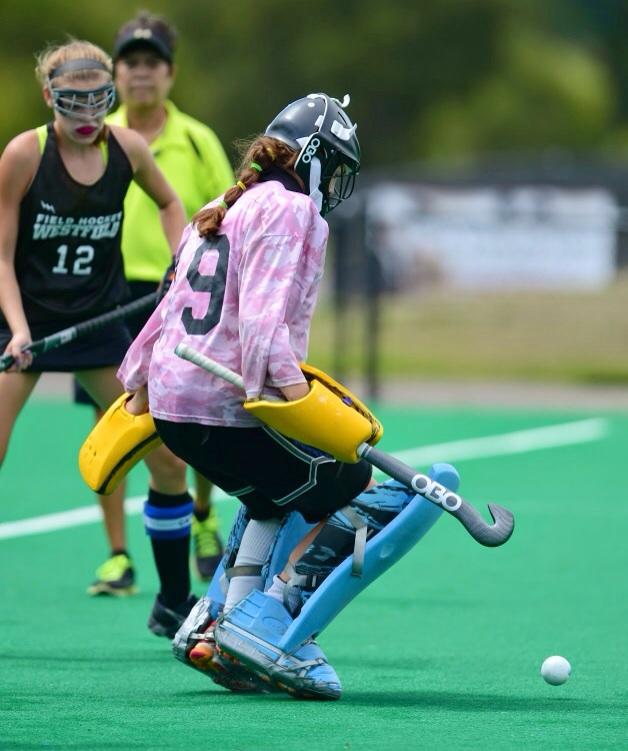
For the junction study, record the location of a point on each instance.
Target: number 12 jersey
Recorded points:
(68, 260)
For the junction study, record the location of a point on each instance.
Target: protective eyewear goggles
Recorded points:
(81, 104)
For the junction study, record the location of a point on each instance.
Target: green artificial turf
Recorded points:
(442, 652)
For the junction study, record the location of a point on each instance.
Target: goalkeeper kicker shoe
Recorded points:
(251, 632)
(165, 621)
(114, 577)
(194, 645)
(207, 545)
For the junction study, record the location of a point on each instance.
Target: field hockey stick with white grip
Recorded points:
(490, 535)
(81, 329)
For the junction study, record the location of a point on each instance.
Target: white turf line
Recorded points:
(518, 442)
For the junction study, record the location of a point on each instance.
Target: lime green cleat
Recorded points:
(207, 545)
(115, 577)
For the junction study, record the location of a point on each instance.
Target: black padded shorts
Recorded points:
(270, 474)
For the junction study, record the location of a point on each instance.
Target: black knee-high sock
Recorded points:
(171, 555)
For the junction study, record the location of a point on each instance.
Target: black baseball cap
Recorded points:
(145, 31)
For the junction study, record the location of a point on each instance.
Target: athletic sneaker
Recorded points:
(207, 545)
(165, 621)
(115, 577)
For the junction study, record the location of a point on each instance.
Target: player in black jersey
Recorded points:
(62, 188)
(194, 163)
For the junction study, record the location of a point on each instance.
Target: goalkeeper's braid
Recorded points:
(260, 155)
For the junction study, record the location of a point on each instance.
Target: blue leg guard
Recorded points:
(293, 529)
(261, 632)
(415, 516)
(197, 627)
(207, 609)
(218, 584)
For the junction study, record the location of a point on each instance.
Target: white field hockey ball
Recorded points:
(555, 670)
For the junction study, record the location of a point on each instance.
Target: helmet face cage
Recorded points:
(83, 104)
(337, 181)
(329, 174)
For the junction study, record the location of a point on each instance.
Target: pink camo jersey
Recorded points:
(245, 298)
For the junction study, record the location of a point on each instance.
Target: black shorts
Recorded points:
(270, 474)
(134, 324)
(100, 349)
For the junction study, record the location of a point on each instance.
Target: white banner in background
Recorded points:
(494, 238)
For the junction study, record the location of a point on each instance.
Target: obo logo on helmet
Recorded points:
(310, 151)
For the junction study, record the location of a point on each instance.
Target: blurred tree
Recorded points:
(540, 94)
(435, 78)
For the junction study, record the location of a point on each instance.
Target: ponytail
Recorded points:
(260, 155)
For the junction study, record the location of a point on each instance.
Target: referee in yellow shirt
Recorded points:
(195, 164)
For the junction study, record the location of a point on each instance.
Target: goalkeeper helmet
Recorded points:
(328, 150)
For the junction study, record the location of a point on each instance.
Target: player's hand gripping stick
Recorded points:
(81, 329)
(490, 535)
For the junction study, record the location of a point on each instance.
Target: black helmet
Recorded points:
(329, 153)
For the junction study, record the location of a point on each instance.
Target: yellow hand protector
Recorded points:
(329, 417)
(348, 397)
(116, 444)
